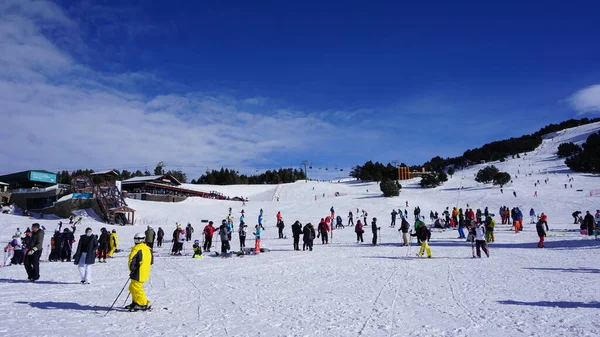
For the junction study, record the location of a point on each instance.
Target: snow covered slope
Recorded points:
(344, 288)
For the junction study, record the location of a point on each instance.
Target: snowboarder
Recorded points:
(480, 243)
(197, 250)
(541, 232)
(323, 229)
(374, 229)
(86, 255)
(423, 235)
(209, 230)
(296, 232)
(139, 262)
(150, 237)
(159, 237)
(34, 252)
(394, 214)
(242, 234)
(404, 227)
(113, 243)
(103, 245)
(358, 229)
(308, 236)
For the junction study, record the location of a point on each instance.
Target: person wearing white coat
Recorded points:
(480, 243)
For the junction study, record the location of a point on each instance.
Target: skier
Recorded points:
(515, 193)
(34, 252)
(280, 226)
(423, 235)
(260, 218)
(296, 232)
(175, 248)
(224, 236)
(257, 233)
(480, 243)
(113, 243)
(597, 218)
(197, 250)
(404, 227)
(159, 237)
(308, 236)
(189, 230)
(350, 218)
(374, 229)
(490, 224)
(230, 227)
(332, 211)
(541, 233)
(278, 216)
(86, 255)
(365, 215)
(103, 245)
(209, 230)
(55, 242)
(16, 247)
(532, 216)
(394, 214)
(150, 237)
(576, 217)
(242, 234)
(323, 229)
(358, 229)
(139, 262)
(461, 225)
(67, 241)
(588, 221)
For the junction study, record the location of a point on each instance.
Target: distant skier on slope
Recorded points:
(374, 229)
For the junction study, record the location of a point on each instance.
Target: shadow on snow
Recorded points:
(63, 306)
(8, 280)
(570, 270)
(556, 304)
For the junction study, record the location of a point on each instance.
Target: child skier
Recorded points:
(257, 233)
(197, 250)
(541, 232)
(139, 263)
(242, 234)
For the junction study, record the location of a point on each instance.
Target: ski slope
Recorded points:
(344, 288)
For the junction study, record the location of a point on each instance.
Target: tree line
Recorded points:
(585, 158)
(232, 177)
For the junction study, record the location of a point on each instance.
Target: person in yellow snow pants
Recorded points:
(113, 243)
(425, 247)
(139, 262)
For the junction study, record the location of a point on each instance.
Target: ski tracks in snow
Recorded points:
(374, 306)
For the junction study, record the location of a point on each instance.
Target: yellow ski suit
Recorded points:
(113, 243)
(139, 263)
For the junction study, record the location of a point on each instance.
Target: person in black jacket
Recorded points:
(280, 226)
(541, 232)
(67, 241)
(309, 236)
(34, 252)
(374, 229)
(85, 255)
(159, 237)
(423, 234)
(296, 232)
(103, 245)
(404, 227)
(588, 222)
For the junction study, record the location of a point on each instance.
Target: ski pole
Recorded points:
(128, 294)
(115, 301)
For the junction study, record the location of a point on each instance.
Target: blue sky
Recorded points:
(266, 84)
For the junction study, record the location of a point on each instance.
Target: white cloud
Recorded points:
(587, 99)
(58, 114)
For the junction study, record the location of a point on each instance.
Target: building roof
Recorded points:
(3, 184)
(150, 179)
(106, 173)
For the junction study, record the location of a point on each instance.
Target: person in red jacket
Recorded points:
(323, 231)
(209, 230)
(358, 229)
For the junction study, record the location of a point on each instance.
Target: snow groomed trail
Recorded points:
(344, 288)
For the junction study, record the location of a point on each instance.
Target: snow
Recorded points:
(341, 289)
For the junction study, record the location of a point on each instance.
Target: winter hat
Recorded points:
(35, 225)
(210, 222)
(196, 241)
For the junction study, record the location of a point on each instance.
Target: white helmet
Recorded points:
(139, 237)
